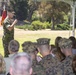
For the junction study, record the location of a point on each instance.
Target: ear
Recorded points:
(38, 49)
(62, 51)
(49, 47)
(31, 71)
(11, 70)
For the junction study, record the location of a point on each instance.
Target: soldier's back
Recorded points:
(38, 69)
(48, 61)
(67, 66)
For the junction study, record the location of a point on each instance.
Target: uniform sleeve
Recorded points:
(68, 66)
(38, 70)
(6, 23)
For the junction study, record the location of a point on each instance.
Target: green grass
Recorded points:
(22, 36)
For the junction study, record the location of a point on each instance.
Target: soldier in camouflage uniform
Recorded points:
(8, 30)
(66, 48)
(48, 61)
(30, 48)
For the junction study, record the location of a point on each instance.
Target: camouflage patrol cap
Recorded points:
(65, 43)
(26, 43)
(29, 46)
(13, 46)
(43, 41)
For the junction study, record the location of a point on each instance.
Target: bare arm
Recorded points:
(12, 25)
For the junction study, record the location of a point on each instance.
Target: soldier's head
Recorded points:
(57, 40)
(65, 45)
(30, 47)
(21, 64)
(43, 45)
(13, 46)
(10, 12)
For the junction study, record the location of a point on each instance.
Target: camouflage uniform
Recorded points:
(30, 47)
(7, 36)
(47, 61)
(62, 68)
(38, 69)
(66, 65)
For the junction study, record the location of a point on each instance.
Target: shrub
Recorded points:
(40, 25)
(63, 26)
(47, 25)
(37, 25)
(25, 27)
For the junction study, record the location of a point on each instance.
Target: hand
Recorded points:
(15, 21)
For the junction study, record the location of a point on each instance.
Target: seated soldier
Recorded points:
(48, 61)
(66, 48)
(30, 48)
(60, 54)
(21, 64)
(13, 48)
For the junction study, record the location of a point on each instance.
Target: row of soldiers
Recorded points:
(48, 62)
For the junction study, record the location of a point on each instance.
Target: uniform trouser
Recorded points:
(5, 46)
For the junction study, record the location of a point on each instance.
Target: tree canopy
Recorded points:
(20, 7)
(51, 11)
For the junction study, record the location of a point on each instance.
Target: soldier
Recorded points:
(21, 65)
(8, 30)
(66, 48)
(13, 48)
(30, 48)
(48, 61)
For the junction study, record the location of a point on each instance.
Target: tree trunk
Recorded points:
(53, 24)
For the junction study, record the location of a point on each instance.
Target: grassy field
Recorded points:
(22, 36)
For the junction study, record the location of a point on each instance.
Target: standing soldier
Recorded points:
(8, 30)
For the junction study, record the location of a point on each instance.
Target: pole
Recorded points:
(73, 19)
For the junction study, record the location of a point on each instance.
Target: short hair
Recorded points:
(57, 41)
(9, 9)
(13, 46)
(21, 63)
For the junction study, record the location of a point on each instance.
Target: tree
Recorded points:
(20, 7)
(32, 6)
(53, 11)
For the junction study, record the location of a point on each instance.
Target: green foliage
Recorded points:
(20, 7)
(32, 6)
(35, 17)
(25, 27)
(37, 25)
(53, 11)
(63, 26)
